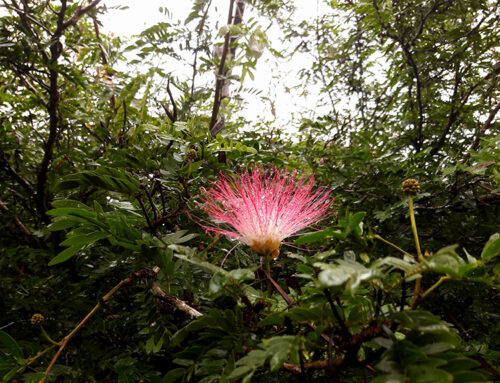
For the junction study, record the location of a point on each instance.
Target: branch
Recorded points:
(238, 18)
(282, 292)
(411, 62)
(79, 12)
(105, 62)
(420, 122)
(10, 171)
(486, 125)
(141, 274)
(177, 303)
(344, 328)
(199, 31)
(452, 116)
(19, 224)
(424, 18)
(334, 365)
(54, 98)
(138, 196)
(220, 75)
(485, 365)
(24, 17)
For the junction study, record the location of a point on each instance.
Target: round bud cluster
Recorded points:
(192, 155)
(410, 186)
(37, 319)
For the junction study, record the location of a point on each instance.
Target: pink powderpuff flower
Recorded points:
(262, 208)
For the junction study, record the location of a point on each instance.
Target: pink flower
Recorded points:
(262, 208)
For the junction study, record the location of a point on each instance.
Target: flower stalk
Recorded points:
(411, 187)
(414, 228)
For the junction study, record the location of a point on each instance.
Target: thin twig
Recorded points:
(285, 296)
(138, 195)
(392, 244)
(146, 273)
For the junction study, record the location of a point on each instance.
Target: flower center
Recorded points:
(266, 246)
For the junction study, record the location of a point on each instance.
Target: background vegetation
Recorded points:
(101, 167)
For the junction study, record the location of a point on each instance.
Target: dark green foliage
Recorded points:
(101, 171)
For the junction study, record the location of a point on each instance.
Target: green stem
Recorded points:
(416, 291)
(435, 285)
(34, 358)
(44, 333)
(391, 244)
(414, 227)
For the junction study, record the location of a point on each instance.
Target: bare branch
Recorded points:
(4, 209)
(79, 12)
(12, 173)
(220, 75)
(177, 303)
(486, 125)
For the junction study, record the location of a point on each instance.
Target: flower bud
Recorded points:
(37, 319)
(410, 186)
(192, 155)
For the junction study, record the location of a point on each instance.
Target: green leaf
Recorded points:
(9, 375)
(333, 277)
(86, 239)
(126, 377)
(72, 211)
(355, 224)
(468, 377)
(444, 263)
(65, 255)
(278, 359)
(460, 363)
(242, 274)
(423, 374)
(9, 346)
(314, 237)
(178, 237)
(174, 375)
(306, 269)
(106, 178)
(492, 247)
(62, 224)
(62, 203)
(272, 319)
(35, 378)
(302, 314)
(240, 371)
(217, 283)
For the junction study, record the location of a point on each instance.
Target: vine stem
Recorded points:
(416, 291)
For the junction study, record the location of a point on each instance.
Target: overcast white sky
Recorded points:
(271, 76)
